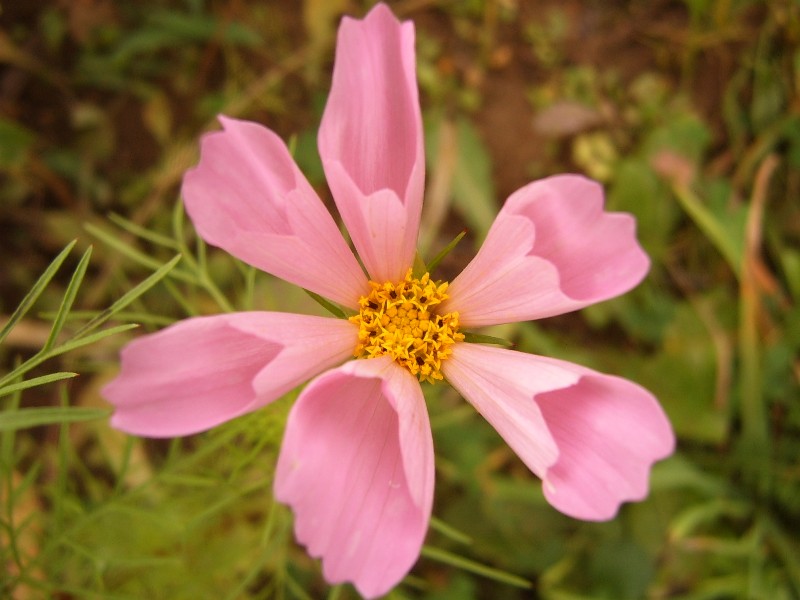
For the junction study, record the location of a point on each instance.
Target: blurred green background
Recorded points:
(687, 110)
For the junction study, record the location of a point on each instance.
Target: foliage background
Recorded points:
(688, 112)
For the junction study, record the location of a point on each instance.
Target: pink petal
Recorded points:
(204, 371)
(356, 466)
(501, 385)
(552, 249)
(608, 431)
(248, 197)
(370, 140)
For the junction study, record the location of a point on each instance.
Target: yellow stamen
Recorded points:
(400, 319)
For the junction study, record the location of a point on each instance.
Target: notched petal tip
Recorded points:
(610, 432)
(247, 196)
(592, 438)
(370, 139)
(356, 466)
(372, 122)
(595, 252)
(570, 254)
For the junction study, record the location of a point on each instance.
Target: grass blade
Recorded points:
(69, 299)
(35, 291)
(132, 253)
(58, 350)
(329, 306)
(480, 338)
(460, 562)
(449, 531)
(29, 383)
(445, 251)
(79, 342)
(35, 417)
(710, 226)
(128, 316)
(143, 232)
(129, 297)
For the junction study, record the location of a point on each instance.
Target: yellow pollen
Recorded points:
(400, 319)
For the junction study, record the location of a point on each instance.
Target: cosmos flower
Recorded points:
(356, 463)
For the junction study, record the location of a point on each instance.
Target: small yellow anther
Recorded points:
(397, 319)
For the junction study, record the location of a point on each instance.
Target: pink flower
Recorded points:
(356, 463)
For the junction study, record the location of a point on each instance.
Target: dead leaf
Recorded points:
(566, 118)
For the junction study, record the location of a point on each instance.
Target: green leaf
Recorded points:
(69, 299)
(327, 305)
(183, 26)
(79, 342)
(725, 238)
(445, 251)
(15, 142)
(480, 338)
(58, 350)
(34, 417)
(694, 401)
(36, 381)
(684, 134)
(143, 232)
(449, 531)
(419, 268)
(460, 562)
(34, 293)
(472, 187)
(621, 569)
(135, 255)
(129, 296)
(638, 190)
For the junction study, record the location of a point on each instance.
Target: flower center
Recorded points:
(400, 319)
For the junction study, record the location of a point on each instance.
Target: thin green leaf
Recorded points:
(201, 268)
(36, 381)
(460, 562)
(480, 338)
(68, 300)
(419, 267)
(449, 531)
(132, 253)
(112, 240)
(178, 296)
(62, 471)
(35, 291)
(327, 305)
(711, 227)
(445, 251)
(335, 592)
(787, 550)
(79, 342)
(198, 266)
(129, 297)
(473, 187)
(249, 286)
(142, 232)
(125, 315)
(9, 458)
(178, 222)
(202, 262)
(34, 417)
(73, 344)
(295, 588)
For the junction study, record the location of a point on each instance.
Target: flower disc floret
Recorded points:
(401, 320)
